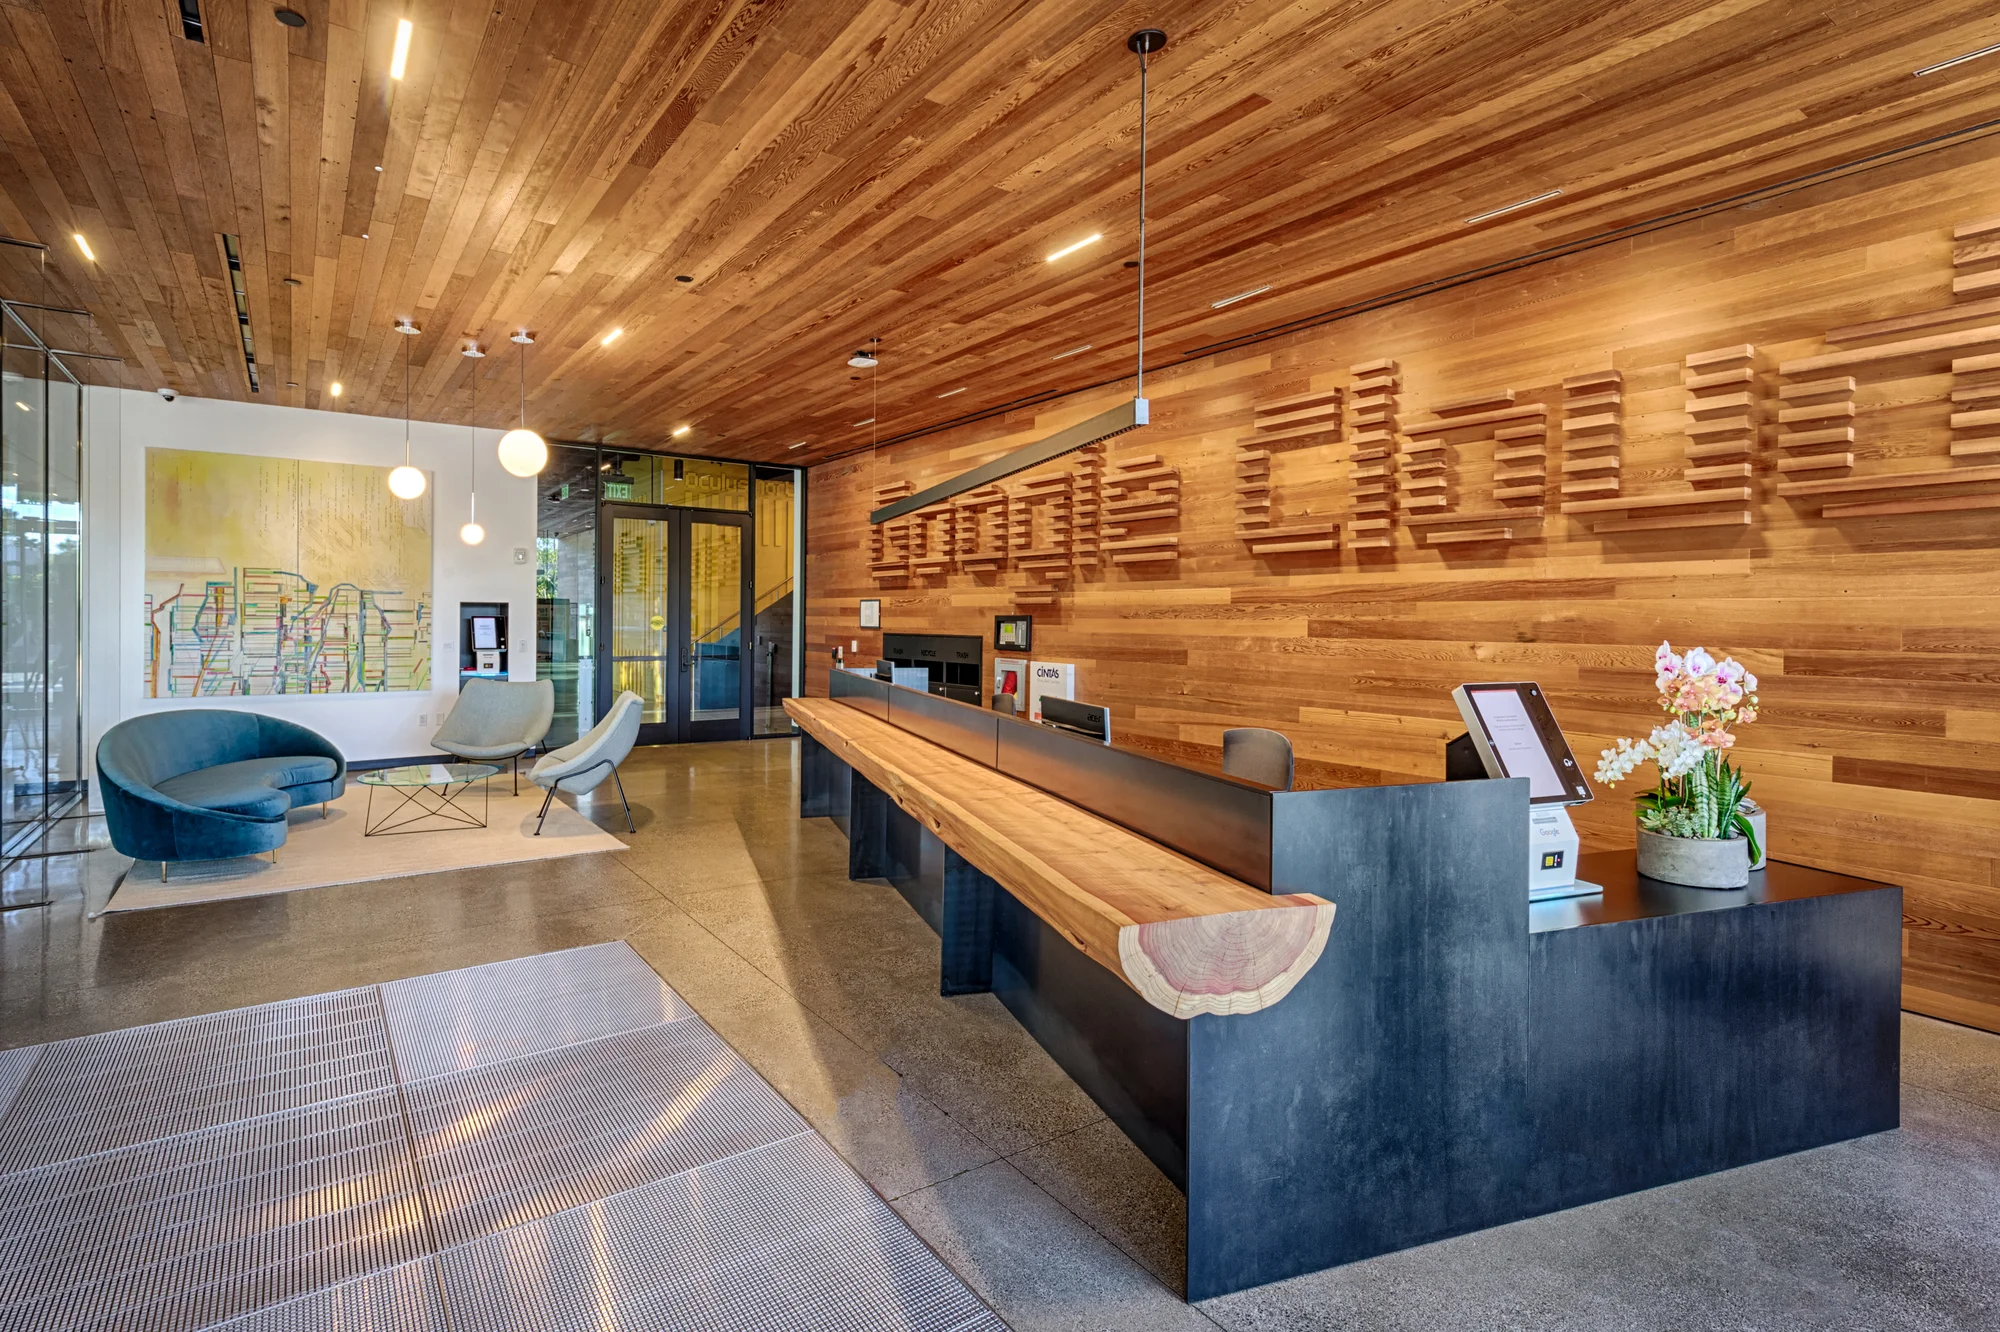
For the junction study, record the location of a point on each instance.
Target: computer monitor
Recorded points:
(1084, 719)
(1516, 736)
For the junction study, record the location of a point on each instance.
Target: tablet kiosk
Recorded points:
(1515, 735)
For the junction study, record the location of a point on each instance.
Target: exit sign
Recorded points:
(618, 490)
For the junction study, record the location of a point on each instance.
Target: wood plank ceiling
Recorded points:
(827, 171)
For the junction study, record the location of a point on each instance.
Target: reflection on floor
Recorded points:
(828, 989)
(551, 1143)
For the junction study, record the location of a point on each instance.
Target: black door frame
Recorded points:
(679, 726)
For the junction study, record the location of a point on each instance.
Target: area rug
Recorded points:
(322, 851)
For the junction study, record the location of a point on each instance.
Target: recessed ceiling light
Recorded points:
(291, 18)
(401, 58)
(611, 337)
(364, 235)
(869, 421)
(681, 430)
(291, 383)
(1508, 208)
(1957, 60)
(951, 393)
(22, 405)
(1071, 352)
(1091, 239)
(682, 277)
(801, 444)
(83, 245)
(333, 389)
(1239, 296)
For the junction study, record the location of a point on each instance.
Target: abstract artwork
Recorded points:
(282, 576)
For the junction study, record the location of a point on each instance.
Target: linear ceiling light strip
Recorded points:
(1125, 416)
(233, 252)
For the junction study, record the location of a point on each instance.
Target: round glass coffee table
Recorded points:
(432, 797)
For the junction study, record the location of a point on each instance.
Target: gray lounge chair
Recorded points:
(1261, 755)
(584, 764)
(495, 721)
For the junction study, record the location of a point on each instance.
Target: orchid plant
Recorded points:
(1700, 793)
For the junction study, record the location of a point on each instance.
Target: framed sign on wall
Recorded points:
(1013, 632)
(871, 613)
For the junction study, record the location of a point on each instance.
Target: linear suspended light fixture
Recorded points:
(1128, 415)
(1957, 60)
(1543, 197)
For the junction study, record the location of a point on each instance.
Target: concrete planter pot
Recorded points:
(1694, 862)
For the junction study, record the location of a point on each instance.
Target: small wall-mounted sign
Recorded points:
(618, 490)
(1015, 632)
(871, 613)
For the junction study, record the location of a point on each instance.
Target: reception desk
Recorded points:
(1435, 1055)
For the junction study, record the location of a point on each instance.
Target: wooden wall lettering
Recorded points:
(1722, 431)
(1301, 424)
(1141, 496)
(1593, 434)
(1371, 485)
(1510, 436)
(1820, 403)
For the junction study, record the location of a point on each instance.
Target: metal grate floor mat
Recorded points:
(179, 1234)
(397, 1299)
(553, 1143)
(514, 1142)
(99, 1093)
(781, 1237)
(15, 1065)
(457, 1020)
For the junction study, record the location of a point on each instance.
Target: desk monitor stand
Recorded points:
(1510, 732)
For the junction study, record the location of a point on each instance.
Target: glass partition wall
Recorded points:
(42, 771)
(689, 567)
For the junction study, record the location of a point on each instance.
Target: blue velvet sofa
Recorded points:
(208, 784)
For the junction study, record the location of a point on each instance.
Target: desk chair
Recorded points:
(1259, 755)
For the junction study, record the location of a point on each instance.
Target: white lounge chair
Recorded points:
(583, 764)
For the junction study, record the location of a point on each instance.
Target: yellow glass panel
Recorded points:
(702, 483)
(639, 611)
(715, 619)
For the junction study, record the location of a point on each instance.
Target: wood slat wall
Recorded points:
(1875, 628)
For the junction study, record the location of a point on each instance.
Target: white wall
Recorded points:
(124, 423)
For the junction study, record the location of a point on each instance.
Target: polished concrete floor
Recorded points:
(828, 988)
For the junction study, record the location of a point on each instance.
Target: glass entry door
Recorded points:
(673, 592)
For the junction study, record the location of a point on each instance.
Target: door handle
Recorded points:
(684, 659)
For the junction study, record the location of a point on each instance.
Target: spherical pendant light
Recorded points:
(406, 482)
(522, 451)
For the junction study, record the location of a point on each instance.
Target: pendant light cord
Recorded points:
(473, 433)
(1139, 384)
(406, 400)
